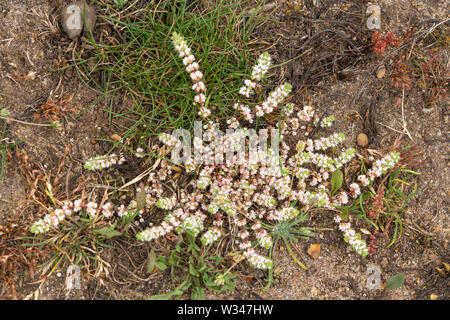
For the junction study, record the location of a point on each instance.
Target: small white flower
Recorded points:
(200, 98)
(196, 76)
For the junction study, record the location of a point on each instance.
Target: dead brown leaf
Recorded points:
(314, 250)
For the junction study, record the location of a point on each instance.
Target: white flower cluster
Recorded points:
(344, 157)
(248, 87)
(355, 191)
(325, 123)
(155, 232)
(171, 222)
(55, 217)
(194, 224)
(275, 98)
(325, 143)
(166, 203)
(353, 238)
(306, 114)
(211, 236)
(140, 153)
(380, 167)
(153, 192)
(284, 214)
(193, 68)
(262, 66)
(168, 140)
(258, 261)
(52, 220)
(340, 199)
(103, 162)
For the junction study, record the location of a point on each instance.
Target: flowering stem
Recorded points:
(293, 255)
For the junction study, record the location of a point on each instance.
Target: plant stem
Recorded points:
(28, 123)
(293, 255)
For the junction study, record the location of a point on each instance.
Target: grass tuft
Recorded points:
(138, 57)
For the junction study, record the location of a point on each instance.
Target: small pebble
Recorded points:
(362, 140)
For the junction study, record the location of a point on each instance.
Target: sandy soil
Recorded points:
(31, 41)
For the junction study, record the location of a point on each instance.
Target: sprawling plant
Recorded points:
(246, 198)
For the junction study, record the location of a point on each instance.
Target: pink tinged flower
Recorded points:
(245, 245)
(196, 76)
(363, 180)
(204, 112)
(77, 205)
(188, 60)
(140, 153)
(259, 111)
(218, 223)
(342, 197)
(241, 222)
(248, 117)
(107, 209)
(354, 190)
(243, 234)
(184, 51)
(199, 86)
(91, 208)
(200, 98)
(192, 67)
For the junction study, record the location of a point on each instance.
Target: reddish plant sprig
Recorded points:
(381, 43)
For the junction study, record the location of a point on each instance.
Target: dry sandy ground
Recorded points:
(29, 42)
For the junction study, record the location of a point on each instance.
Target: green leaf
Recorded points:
(174, 259)
(4, 113)
(336, 181)
(161, 263)
(229, 286)
(120, 3)
(306, 232)
(395, 282)
(177, 292)
(192, 270)
(216, 258)
(166, 296)
(108, 232)
(198, 293)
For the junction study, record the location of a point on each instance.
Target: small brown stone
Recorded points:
(116, 137)
(362, 140)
